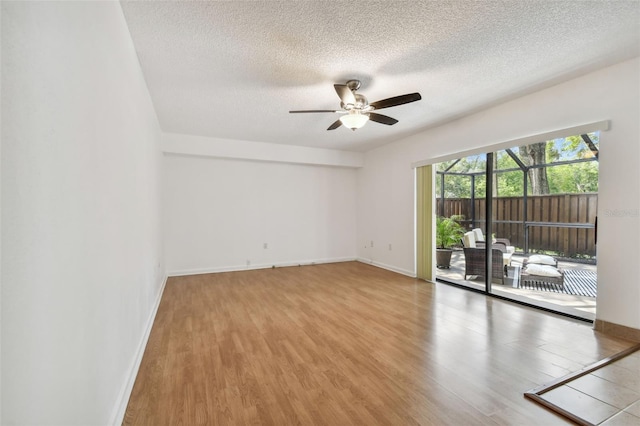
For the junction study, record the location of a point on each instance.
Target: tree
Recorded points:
(576, 144)
(574, 178)
(509, 184)
(459, 186)
(577, 177)
(533, 155)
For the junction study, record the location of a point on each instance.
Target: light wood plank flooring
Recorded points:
(349, 343)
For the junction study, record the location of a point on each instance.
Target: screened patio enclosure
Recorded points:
(558, 223)
(544, 200)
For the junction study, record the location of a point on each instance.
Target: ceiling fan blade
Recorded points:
(335, 125)
(379, 118)
(315, 110)
(396, 100)
(346, 95)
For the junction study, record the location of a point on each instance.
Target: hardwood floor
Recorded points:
(349, 343)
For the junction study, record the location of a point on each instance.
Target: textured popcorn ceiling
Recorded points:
(233, 69)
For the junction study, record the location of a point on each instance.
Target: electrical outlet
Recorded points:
(389, 246)
(371, 243)
(265, 246)
(248, 262)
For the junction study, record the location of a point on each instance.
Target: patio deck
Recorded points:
(576, 298)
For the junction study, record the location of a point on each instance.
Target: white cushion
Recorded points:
(478, 234)
(469, 240)
(512, 249)
(542, 259)
(542, 270)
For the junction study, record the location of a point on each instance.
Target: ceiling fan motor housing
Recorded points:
(361, 103)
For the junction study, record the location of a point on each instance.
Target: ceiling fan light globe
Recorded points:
(354, 120)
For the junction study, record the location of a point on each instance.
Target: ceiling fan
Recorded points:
(357, 110)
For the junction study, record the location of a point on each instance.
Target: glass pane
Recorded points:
(504, 161)
(472, 164)
(557, 150)
(457, 186)
(573, 178)
(509, 184)
(558, 222)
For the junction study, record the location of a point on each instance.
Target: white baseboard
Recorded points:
(117, 416)
(236, 268)
(387, 267)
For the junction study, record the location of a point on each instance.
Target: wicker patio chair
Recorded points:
(475, 263)
(469, 240)
(480, 241)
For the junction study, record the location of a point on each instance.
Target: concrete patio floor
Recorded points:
(580, 306)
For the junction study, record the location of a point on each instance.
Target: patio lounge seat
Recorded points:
(541, 259)
(544, 271)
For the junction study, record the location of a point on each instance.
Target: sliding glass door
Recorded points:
(527, 223)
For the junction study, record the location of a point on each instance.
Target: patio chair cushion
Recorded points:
(542, 270)
(469, 240)
(479, 236)
(542, 259)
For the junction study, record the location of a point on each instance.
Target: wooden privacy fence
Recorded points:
(560, 223)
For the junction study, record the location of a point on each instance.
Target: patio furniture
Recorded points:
(541, 259)
(542, 273)
(469, 240)
(475, 258)
(480, 240)
(475, 262)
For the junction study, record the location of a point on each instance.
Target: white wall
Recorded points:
(0, 227)
(385, 184)
(258, 151)
(219, 213)
(82, 264)
(386, 213)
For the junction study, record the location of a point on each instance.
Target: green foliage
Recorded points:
(510, 184)
(448, 231)
(578, 177)
(551, 152)
(577, 148)
(573, 178)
